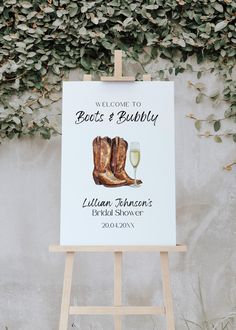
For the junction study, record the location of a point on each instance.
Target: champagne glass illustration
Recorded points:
(134, 156)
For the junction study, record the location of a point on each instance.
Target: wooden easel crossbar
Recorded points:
(117, 310)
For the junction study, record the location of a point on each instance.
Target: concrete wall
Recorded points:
(31, 277)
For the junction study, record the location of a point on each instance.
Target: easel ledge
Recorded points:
(117, 248)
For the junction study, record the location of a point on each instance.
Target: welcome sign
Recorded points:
(118, 164)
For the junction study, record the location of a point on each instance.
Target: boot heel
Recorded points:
(96, 180)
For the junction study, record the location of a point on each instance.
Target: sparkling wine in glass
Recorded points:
(134, 156)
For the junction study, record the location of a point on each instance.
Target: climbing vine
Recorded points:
(41, 41)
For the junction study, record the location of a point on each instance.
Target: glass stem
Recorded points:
(135, 171)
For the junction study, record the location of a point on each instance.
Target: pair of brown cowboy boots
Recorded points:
(109, 157)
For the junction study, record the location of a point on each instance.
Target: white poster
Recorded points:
(118, 164)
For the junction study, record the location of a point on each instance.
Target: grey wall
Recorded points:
(31, 277)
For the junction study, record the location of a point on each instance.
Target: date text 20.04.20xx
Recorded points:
(119, 225)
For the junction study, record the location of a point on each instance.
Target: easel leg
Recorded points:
(118, 287)
(65, 303)
(167, 291)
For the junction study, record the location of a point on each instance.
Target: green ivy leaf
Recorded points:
(217, 139)
(57, 22)
(199, 74)
(48, 10)
(22, 27)
(214, 94)
(217, 125)
(31, 15)
(198, 125)
(27, 110)
(56, 69)
(38, 66)
(45, 133)
(82, 31)
(86, 63)
(95, 20)
(73, 9)
(107, 45)
(127, 21)
(189, 67)
(199, 98)
(26, 4)
(7, 38)
(16, 120)
(220, 26)
(218, 7)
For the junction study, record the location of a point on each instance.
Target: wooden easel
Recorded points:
(117, 310)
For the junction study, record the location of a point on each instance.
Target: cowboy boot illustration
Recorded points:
(102, 173)
(118, 160)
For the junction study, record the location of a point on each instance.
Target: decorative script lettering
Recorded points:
(120, 117)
